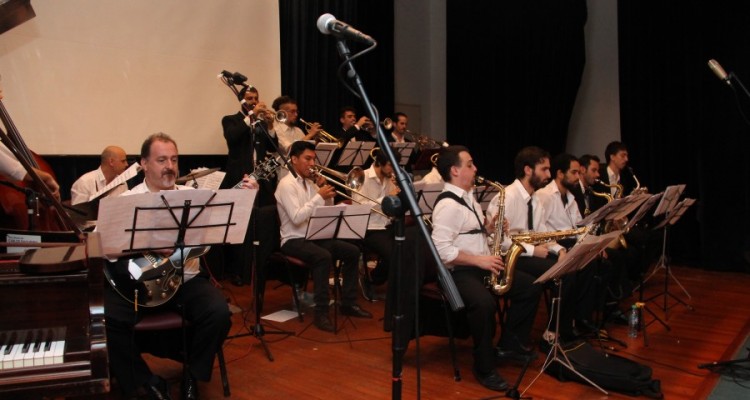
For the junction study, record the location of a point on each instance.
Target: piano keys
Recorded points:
(52, 336)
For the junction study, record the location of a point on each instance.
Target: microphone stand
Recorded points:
(733, 76)
(446, 281)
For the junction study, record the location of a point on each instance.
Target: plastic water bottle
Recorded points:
(633, 322)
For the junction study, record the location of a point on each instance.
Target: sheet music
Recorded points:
(356, 153)
(142, 221)
(211, 181)
(484, 195)
(629, 204)
(579, 256)
(668, 201)
(324, 152)
(680, 209)
(427, 193)
(119, 179)
(643, 210)
(340, 221)
(405, 149)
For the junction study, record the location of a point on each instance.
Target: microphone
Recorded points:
(719, 71)
(329, 25)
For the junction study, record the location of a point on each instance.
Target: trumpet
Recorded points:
(351, 182)
(279, 116)
(323, 136)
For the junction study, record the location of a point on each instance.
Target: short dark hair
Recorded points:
(299, 147)
(281, 100)
(528, 156)
(449, 157)
(160, 136)
(241, 94)
(381, 159)
(344, 109)
(613, 148)
(586, 159)
(399, 114)
(561, 163)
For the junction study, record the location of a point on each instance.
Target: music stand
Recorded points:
(427, 193)
(174, 219)
(405, 149)
(673, 215)
(666, 204)
(324, 152)
(484, 195)
(338, 222)
(355, 153)
(577, 258)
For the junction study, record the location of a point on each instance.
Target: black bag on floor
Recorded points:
(609, 371)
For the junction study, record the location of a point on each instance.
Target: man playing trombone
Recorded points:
(296, 198)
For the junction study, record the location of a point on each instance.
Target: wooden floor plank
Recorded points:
(357, 363)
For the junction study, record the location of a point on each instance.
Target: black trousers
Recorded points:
(320, 255)
(381, 242)
(205, 308)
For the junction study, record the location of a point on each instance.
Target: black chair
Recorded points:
(430, 296)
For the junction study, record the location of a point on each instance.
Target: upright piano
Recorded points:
(52, 335)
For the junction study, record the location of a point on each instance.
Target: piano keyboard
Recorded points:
(29, 348)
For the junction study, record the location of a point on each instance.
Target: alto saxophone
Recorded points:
(498, 285)
(609, 226)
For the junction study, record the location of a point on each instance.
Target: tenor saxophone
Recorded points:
(502, 285)
(498, 284)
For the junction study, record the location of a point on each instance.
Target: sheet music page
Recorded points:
(119, 179)
(356, 153)
(405, 149)
(643, 210)
(669, 200)
(427, 193)
(579, 256)
(324, 153)
(630, 203)
(325, 220)
(680, 209)
(143, 221)
(211, 181)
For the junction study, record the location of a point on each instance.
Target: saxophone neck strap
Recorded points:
(451, 195)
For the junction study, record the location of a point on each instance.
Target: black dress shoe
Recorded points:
(355, 311)
(491, 380)
(157, 388)
(515, 354)
(322, 322)
(190, 389)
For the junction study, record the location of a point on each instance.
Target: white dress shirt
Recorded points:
(90, 183)
(449, 218)
(432, 177)
(192, 267)
(613, 180)
(376, 190)
(296, 198)
(516, 212)
(9, 166)
(557, 216)
(287, 135)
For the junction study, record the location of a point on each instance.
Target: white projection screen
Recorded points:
(84, 74)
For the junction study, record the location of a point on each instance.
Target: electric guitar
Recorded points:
(152, 279)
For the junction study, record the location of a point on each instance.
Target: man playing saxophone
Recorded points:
(460, 237)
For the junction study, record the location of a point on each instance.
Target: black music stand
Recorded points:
(176, 219)
(338, 222)
(484, 195)
(324, 153)
(674, 212)
(405, 149)
(577, 258)
(427, 193)
(355, 153)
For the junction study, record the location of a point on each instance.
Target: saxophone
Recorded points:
(609, 225)
(511, 257)
(494, 283)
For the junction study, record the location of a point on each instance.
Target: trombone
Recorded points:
(323, 136)
(351, 181)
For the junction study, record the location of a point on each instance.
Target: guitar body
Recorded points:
(158, 277)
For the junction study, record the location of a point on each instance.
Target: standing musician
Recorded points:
(287, 132)
(461, 240)
(525, 213)
(296, 198)
(248, 144)
(114, 161)
(201, 303)
(378, 183)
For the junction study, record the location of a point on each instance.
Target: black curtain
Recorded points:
(683, 125)
(514, 68)
(309, 60)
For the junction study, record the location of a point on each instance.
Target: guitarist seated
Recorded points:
(205, 307)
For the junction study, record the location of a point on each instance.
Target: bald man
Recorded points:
(113, 162)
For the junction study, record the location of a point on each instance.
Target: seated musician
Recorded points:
(114, 161)
(461, 240)
(561, 214)
(355, 129)
(378, 183)
(525, 213)
(205, 308)
(296, 198)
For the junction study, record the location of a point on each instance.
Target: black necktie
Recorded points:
(530, 217)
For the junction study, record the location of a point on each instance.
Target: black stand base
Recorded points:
(726, 363)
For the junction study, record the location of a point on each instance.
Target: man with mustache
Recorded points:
(202, 304)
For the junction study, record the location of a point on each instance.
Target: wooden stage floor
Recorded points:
(356, 363)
